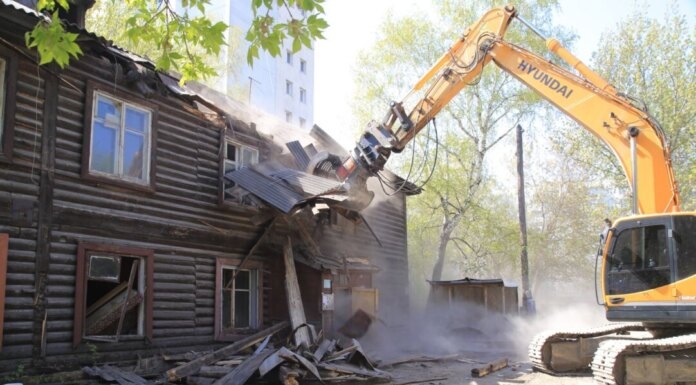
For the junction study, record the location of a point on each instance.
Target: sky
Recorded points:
(353, 25)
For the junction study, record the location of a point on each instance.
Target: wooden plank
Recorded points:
(272, 361)
(324, 347)
(489, 368)
(192, 367)
(134, 270)
(292, 288)
(350, 369)
(304, 362)
(243, 372)
(107, 297)
(253, 248)
(4, 242)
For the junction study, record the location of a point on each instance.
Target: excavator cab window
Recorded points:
(639, 260)
(685, 245)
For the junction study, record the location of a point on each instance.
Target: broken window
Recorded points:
(118, 138)
(237, 156)
(238, 305)
(112, 295)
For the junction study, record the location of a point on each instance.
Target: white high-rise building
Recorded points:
(282, 86)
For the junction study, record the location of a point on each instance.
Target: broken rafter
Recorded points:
(251, 252)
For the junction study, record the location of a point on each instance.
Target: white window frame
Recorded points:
(147, 140)
(303, 95)
(303, 66)
(288, 88)
(3, 96)
(254, 303)
(229, 165)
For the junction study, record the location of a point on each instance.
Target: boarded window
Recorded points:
(238, 302)
(113, 294)
(120, 139)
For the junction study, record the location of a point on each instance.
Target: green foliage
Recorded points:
(652, 60)
(304, 24)
(53, 43)
(182, 41)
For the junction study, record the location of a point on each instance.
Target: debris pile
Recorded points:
(255, 358)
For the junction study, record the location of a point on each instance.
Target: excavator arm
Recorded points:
(634, 137)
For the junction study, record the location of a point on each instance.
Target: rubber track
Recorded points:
(540, 341)
(609, 352)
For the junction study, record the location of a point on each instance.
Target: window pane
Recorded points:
(248, 156)
(3, 66)
(241, 307)
(136, 120)
(231, 153)
(227, 309)
(639, 261)
(103, 149)
(104, 268)
(133, 155)
(243, 280)
(685, 242)
(109, 110)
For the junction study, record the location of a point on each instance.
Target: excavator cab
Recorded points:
(648, 262)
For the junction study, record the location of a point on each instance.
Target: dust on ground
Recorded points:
(468, 338)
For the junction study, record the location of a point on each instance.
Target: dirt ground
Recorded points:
(457, 371)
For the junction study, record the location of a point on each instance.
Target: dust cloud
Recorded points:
(465, 329)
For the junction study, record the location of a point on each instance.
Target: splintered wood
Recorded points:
(489, 368)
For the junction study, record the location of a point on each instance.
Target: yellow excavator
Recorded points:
(648, 259)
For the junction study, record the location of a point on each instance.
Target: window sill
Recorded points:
(102, 179)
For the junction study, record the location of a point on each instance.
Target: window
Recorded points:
(113, 294)
(303, 122)
(238, 156)
(303, 95)
(685, 245)
(288, 57)
(8, 92)
(3, 96)
(288, 116)
(639, 260)
(303, 66)
(120, 139)
(238, 301)
(288, 87)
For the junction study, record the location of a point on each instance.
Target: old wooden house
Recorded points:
(119, 235)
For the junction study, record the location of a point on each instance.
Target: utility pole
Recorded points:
(527, 300)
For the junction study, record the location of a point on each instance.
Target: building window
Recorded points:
(238, 303)
(238, 156)
(8, 92)
(303, 122)
(288, 57)
(120, 139)
(303, 95)
(288, 116)
(113, 295)
(3, 92)
(288, 88)
(303, 66)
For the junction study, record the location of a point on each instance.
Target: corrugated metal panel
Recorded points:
(309, 184)
(298, 152)
(270, 191)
